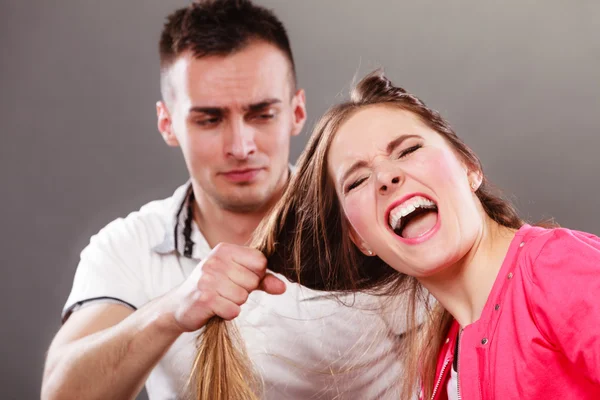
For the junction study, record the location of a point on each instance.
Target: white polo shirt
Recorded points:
(303, 343)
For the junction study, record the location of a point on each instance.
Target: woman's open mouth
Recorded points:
(414, 217)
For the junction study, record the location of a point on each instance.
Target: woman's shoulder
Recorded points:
(562, 284)
(557, 247)
(554, 262)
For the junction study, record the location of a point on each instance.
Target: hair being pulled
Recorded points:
(306, 238)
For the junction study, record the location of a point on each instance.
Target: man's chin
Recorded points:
(243, 206)
(244, 201)
(244, 198)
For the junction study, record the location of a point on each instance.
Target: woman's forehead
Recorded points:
(372, 128)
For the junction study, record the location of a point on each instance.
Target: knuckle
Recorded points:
(223, 248)
(214, 269)
(206, 281)
(254, 281)
(206, 298)
(261, 260)
(226, 268)
(233, 312)
(209, 263)
(218, 252)
(263, 267)
(230, 312)
(242, 296)
(261, 272)
(260, 257)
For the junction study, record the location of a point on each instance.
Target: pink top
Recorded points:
(539, 333)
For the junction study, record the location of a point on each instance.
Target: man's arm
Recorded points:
(106, 351)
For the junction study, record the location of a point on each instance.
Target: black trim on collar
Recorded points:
(186, 199)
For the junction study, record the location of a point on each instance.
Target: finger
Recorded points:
(225, 309)
(250, 259)
(243, 277)
(272, 285)
(232, 292)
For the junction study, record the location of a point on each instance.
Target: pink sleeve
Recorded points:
(565, 297)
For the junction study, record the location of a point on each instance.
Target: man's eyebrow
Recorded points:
(214, 111)
(262, 104)
(218, 111)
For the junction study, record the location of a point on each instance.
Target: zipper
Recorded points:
(439, 381)
(458, 364)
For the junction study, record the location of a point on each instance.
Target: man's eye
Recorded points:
(263, 116)
(208, 121)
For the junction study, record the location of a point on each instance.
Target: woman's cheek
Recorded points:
(439, 165)
(359, 213)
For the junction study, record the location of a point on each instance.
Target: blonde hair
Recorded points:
(222, 369)
(306, 239)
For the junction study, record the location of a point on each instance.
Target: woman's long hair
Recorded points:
(306, 239)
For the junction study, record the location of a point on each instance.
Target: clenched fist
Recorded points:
(220, 284)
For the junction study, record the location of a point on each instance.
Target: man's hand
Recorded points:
(220, 285)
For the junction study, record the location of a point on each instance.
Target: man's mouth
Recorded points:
(414, 217)
(242, 175)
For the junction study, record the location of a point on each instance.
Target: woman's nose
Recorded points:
(388, 182)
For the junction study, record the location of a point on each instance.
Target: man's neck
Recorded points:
(219, 225)
(463, 289)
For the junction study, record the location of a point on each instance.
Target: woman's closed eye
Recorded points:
(354, 184)
(409, 150)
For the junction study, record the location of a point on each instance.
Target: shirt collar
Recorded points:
(174, 239)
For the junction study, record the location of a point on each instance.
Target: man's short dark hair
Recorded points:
(221, 27)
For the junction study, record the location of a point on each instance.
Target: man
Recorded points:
(146, 284)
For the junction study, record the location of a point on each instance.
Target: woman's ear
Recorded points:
(475, 178)
(360, 243)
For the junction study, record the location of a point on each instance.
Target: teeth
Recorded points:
(410, 205)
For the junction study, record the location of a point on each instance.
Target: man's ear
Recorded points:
(360, 243)
(165, 125)
(299, 112)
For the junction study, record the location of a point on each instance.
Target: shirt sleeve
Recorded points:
(109, 269)
(565, 306)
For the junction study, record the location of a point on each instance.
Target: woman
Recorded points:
(388, 199)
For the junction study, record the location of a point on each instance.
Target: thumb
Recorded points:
(272, 285)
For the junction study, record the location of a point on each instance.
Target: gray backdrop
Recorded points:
(519, 79)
